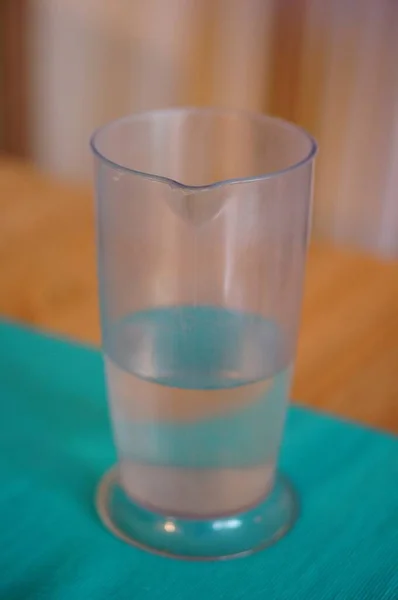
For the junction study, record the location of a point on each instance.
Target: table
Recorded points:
(348, 347)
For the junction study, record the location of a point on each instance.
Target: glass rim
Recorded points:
(252, 115)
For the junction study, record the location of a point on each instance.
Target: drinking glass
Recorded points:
(203, 221)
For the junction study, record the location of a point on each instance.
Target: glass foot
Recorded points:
(192, 538)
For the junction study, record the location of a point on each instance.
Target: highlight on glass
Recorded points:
(202, 228)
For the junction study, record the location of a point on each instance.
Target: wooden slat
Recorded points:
(13, 85)
(288, 31)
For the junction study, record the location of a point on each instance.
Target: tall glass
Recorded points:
(203, 219)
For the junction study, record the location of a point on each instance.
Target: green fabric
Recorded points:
(55, 443)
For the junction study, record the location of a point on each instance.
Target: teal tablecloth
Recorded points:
(55, 443)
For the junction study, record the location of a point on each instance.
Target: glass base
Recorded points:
(192, 538)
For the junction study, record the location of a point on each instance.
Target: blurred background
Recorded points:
(68, 66)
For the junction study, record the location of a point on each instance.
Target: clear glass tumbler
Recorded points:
(203, 220)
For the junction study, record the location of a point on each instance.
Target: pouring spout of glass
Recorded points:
(196, 207)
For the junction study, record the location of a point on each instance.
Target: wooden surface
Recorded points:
(348, 349)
